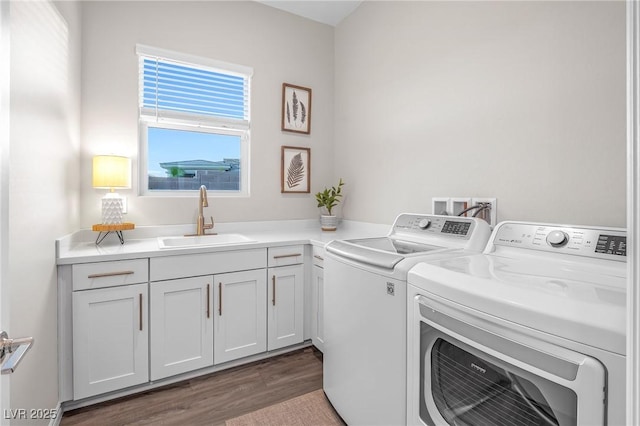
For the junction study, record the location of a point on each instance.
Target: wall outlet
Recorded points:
(440, 205)
(490, 214)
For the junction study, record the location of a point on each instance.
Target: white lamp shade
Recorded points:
(111, 171)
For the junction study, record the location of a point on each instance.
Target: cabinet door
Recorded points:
(240, 315)
(317, 303)
(110, 339)
(285, 301)
(181, 317)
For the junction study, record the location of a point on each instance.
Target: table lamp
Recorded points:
(111, 171)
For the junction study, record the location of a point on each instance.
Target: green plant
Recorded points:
(330, 197)
(176, 172)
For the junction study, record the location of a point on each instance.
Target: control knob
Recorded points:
(557, 238)
(424, 223)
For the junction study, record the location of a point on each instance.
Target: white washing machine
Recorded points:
(365, 288)
(531, 332)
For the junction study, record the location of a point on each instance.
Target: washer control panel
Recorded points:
(446, 226)
(583, 241)
(557, 238)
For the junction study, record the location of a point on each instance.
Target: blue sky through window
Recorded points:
(168, 145)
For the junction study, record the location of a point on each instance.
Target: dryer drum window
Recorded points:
(471, 389)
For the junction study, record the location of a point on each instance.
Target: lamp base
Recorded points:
(111, 209)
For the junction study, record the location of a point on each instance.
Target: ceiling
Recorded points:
(329, 12)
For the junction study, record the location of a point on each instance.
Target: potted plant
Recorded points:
(327, 200)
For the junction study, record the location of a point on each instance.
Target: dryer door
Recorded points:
(470, 388)
(470, 376)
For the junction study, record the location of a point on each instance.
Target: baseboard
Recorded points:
(58, 418)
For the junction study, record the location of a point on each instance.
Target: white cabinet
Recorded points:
(253, 315)
(110, 339)
(110, 326)
(286, 296)
(317, 298)
(181, 317)
(125, 322)
(237, 324)
(285, 302)
(240, 315)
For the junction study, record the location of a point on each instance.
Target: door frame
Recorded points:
(633, 212)
(4, 186)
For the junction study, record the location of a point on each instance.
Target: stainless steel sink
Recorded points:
(202, 240)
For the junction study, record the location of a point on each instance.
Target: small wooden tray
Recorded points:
(115, 227)
(107, 229)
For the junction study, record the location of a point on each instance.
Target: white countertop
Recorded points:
(80, 247)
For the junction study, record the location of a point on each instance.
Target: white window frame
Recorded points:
(144, 156)
(186, 122)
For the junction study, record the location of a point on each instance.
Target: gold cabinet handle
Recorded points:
(282, 256)
(220, 299)
(208, 301)
(110, 274)
(140, 309)
(274, 290)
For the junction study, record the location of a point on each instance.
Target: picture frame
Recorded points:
(296, 108)
(295, 170)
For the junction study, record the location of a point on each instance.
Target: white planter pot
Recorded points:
(328, 223)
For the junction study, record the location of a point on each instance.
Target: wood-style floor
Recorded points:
(214, 398)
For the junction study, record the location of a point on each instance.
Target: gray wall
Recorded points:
(523, 101)
(279, 46)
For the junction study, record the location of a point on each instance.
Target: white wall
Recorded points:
(43, 188)
(279, 46)
(523, 101)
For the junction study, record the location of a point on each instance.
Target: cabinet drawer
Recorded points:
(86, 276)
(193, 265)
(318, 256)
(287, 255)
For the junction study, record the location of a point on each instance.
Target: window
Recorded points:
(194, 124)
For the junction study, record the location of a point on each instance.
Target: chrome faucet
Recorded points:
(201, 226)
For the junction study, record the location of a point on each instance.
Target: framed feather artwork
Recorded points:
(295, 170)
(296, 108)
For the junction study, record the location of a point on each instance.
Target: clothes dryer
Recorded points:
(531, 332)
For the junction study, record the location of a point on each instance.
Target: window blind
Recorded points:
(190, 93)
